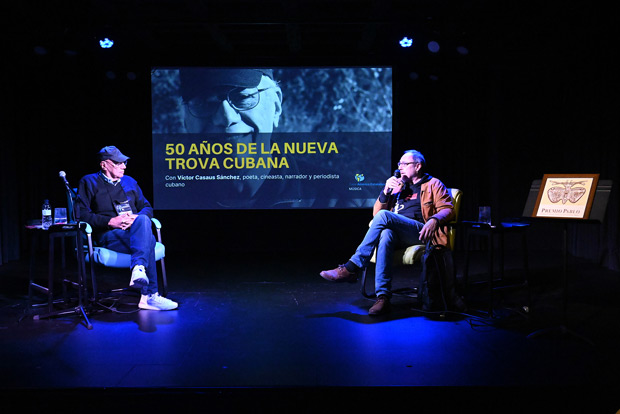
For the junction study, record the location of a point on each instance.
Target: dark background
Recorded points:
(535, 94)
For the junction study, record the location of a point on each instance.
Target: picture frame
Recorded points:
(566, 196)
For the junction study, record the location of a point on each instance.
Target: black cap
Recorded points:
(193, 80)
(112, 153)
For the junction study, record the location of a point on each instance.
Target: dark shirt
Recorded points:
(408, 200)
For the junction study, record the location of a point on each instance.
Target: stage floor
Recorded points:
(267, 331)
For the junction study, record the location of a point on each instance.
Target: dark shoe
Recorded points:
(339, 274)
(381, 306)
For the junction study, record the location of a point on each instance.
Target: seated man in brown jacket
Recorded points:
(412, 209)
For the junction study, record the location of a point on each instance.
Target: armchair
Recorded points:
(412, 254)
(110, 258)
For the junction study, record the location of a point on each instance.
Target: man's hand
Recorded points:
(429, 228)
(122, 222)
(394, 184)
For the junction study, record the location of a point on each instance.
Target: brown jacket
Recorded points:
(436, 202)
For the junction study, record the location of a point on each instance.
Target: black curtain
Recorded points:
(535, 95)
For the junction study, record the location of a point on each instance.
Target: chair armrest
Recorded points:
(86, 227)
(88, 230)
(156, 223)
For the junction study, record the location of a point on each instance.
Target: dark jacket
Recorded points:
(97, 197)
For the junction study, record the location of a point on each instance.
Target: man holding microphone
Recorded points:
(412, 209)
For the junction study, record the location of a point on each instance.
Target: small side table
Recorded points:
(60, 232)
(484, 230)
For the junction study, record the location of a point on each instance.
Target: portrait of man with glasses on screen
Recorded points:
(242, 107)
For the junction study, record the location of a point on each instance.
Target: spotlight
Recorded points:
(462, 50)
(106, 43)
(433, 46)
(40, 50)
(406, 42)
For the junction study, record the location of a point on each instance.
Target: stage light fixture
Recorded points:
(40, 50)
(433, 46)
(406, 42)
(106, 43)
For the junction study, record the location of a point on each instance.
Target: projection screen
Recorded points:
(270, 138)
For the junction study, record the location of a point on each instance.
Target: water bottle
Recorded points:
(46, 220)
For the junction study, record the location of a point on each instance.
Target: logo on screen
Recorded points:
(359, 177)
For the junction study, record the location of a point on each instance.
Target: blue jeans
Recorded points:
(138, 241)
(388, 231)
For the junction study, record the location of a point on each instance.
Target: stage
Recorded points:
(267, 333)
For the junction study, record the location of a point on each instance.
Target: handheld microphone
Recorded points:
(397, 175)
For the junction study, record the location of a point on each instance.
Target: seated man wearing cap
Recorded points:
(114, 205)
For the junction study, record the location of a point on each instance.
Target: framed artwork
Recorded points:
(566, 196)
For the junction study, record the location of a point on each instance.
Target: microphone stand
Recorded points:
(80, 284)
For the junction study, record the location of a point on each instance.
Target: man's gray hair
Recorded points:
(417, 157)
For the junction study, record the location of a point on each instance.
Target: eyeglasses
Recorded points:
(241, 99)
(404, 164)
(118, 163)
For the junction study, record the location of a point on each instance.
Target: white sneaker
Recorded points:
(138, 277)
(156, 302)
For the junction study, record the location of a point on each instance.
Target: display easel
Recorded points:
(596, 214)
